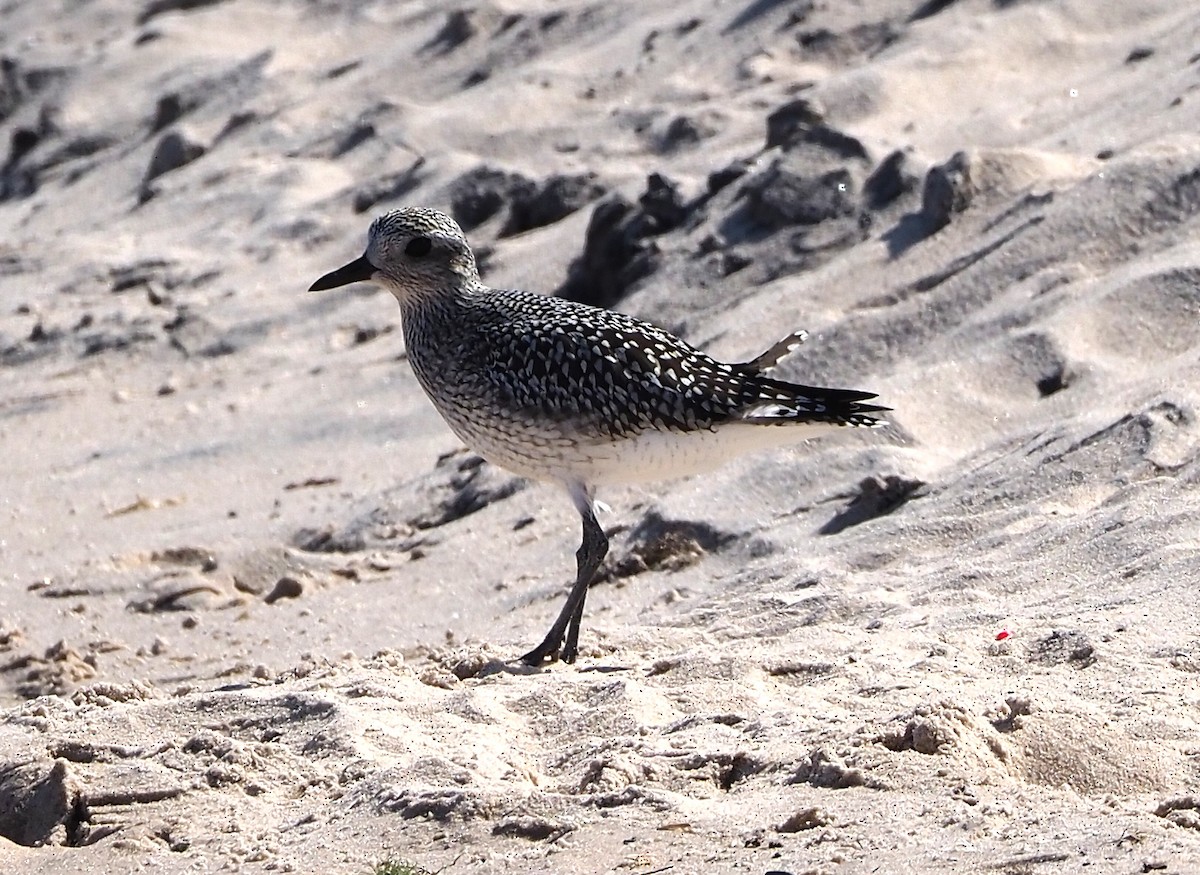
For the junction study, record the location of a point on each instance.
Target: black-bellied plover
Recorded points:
(560, 391)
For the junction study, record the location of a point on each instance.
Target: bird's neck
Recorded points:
(435, 324)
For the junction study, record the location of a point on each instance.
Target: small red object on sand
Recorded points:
(1002, 634)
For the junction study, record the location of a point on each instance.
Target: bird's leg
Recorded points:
(591, 553)
(588, 557)
(571, 643)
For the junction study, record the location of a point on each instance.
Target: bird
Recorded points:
(560, 391)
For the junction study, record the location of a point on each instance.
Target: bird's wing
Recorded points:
(616, 378)
(768, 360)
(616, 375)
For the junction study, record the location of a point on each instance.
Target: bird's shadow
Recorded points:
(516, 667)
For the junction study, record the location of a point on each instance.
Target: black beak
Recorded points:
(356, 271)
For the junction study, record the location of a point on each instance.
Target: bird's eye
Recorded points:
(418, 247)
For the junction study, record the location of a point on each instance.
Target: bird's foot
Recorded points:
(569, 652)
(547, 651)
(552, 652)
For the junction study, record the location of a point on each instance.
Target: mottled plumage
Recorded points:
(561, 391)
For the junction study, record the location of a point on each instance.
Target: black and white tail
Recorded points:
(780, 403)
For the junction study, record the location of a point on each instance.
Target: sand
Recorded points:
(257, 606)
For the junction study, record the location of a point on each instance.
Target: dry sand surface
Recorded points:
(256, 605)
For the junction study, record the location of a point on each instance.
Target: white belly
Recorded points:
(655, 455)
(648, 457)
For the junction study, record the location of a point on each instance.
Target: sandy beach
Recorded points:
(259, 609)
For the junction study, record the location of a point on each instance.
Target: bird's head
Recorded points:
(415, 253)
